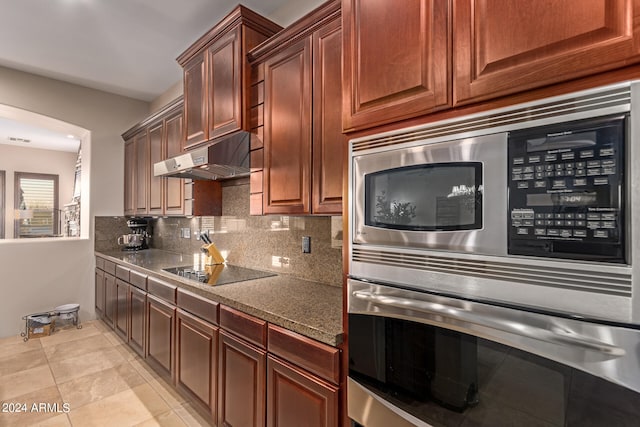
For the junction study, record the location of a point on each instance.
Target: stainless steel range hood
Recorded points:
(224, 159)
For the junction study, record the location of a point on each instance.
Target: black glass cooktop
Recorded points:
(221, 274)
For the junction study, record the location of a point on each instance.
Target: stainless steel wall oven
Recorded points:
(493, 278)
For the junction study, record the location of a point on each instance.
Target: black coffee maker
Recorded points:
(139, 236)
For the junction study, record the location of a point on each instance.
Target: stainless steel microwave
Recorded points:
(530, 205)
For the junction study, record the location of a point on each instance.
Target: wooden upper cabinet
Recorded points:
(173, 187)
(156, 151)
(396, 60)
(224, 75)
(287, 130)
(503, 47)
(141, 172)
(216, 76)
(129, 177)
(329, 143)
(195, 101)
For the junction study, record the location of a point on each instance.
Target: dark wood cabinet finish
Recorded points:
(129, 177)
(216, 76)
(110, 299)
(296, 398)
(197, 360)
(287, 132)
(242, 383)
(161, 289)
(156, 191)
(244, 325)
(121, 320)
(503, 48)
(141, 174)
(197, 305)
(173, 187)
(397, 60)
(122, 273)
(329, 143)
(161, 319)
(138, 279)
(137, 319)
(99, 292)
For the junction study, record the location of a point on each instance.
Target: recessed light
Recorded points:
(71, 136)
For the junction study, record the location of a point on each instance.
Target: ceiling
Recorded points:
(126, 47)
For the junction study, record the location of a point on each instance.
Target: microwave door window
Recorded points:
(432, 197)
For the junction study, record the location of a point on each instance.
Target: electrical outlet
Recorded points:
(306, 244)
(186, 233)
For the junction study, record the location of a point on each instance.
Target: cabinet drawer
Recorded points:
(100, 263)
(162, 289)
(138, 280)
(317, 358)
(248, 327)
(202, 307)
(110, 267)
(122, 273)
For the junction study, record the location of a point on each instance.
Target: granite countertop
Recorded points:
(308, 308)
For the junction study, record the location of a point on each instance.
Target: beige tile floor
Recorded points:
(85, 377)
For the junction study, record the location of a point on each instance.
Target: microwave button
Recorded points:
(534, 159)
(581, 172)
(539, 168)
(553, 232)
(608, 163)
(606, 152)
(601, 181)
(558, 216)
(518, 160)
(558, 223)
(516, 214)
(541, 222)
(608, 217)
(601, 234)
(523, 231)
(560, 173)
(517, 177)
(528, 169)
(565, 233)
(528, 214)
(593, 172)
(608, 171)
(569, 223)
(548, 216)
(593, 164)
(550, 157)
(550, 222)
(527, 223)
(540, 184)
(559, 166)
(559, 183)
(593, 217)
(516, 170)
(569, 155)
(581, 223)
(608, 224)
(593, 224)
(516, 223)
(548, 167)
(569, 216)
(540, 175)
(585, 154)
(579, 182)
(579, 233)
(539, 216)
(527, 176)
(523, 185)
(581, 165)
(550, 174)
(569, 172)
(540, 231)
(581, 216)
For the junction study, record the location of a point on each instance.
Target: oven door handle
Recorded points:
(554, 335)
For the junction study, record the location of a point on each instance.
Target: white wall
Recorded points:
(33, 160)
(38, 275)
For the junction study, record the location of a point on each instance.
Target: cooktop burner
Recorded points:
(220, 274)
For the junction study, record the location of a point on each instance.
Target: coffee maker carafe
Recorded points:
(138, 238)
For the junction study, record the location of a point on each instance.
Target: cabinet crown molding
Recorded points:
(176, 104)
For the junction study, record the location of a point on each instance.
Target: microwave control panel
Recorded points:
(566, 190)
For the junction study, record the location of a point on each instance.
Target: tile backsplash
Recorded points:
(272, 242)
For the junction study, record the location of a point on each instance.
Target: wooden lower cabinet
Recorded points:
(99, 288)
(137, 319)
(241, 383)
(196, 359)
(121, 318)
(296, 398)
(161, 319)
(110, 299)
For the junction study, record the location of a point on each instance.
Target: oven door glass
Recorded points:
(425, 374)
(429, 197)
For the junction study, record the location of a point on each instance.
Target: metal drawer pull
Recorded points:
(555, 335)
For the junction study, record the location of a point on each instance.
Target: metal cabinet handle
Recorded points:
(554, 335)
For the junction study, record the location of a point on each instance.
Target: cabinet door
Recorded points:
(297, 398)
(197, 359)
(195, 102)
(155, 183)
(137, 319)
(99, 288)
(287, 131)
(174, 187)
(329, 143)
(224, 81)
(396, 60)
(160, 334)
(109, 299)
(241, 379)
(122, 309)
(504, 47)
(141, 168)
(129, 176)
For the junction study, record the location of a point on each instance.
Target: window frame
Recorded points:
(16, 200)
(3, 206)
